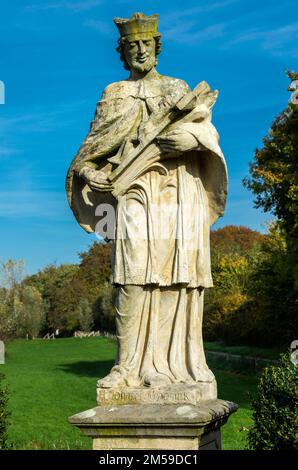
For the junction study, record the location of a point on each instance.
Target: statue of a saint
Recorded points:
(153, 154)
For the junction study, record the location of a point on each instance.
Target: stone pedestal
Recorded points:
(155, 426)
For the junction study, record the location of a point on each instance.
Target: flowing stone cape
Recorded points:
(199, 178)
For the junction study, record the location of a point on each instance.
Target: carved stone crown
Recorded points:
(138, 24)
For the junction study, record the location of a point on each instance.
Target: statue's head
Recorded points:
(139, 42)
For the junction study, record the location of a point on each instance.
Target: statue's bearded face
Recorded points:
(140, 54)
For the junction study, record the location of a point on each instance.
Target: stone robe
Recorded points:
(161, 261)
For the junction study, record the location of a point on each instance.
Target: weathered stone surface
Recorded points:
(146, 443)
(155, 426)
(135, 415)
(2, 352)
(152, 163)
(153, 155)
(172, 394)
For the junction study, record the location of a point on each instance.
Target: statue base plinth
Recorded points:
(169, 395)
(155, 426)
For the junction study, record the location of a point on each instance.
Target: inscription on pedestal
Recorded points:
(171, 395)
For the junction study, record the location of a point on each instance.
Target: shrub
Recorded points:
(275, 408)
(4, 415)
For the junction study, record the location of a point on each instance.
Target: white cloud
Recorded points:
(177, 31)
(65, 5)
(40, 120)
(187, 35)
(177, 15)
(195, 24)
(272, 38)
(100, 26)
(189, 25)
(32, 203)
(7, 151)
(276, 41)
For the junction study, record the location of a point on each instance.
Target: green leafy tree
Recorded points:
(65, 290)
(95, 274)
(12, 272)
(274, 182)
(7, 321)
(95, 268)
(85, 316)
(61, 291)
(274, 171)
(106, 308)
(31, 312)
(234, 250)
(272, 288)
(274, 178)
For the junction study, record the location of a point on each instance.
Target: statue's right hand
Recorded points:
(97, 180)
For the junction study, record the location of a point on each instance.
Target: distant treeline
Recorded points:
(252, 302)
(254, 299)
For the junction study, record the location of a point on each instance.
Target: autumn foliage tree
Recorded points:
(22, 309)
(234, 239)
(77, 295)
(274, 170)
(274, 182)
(61, 295)
(274, 178)
(233, 252)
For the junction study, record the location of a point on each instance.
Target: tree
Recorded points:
(95, 274)
(274, 171)
(231, 275)
(61, 290)
(95, 268)
(234, 250)
(234, 239)
(12, 273)
(31, 312)
(85, 316)
(64, 297)
(272, 287)
(274, 182)
(106, 308)
(7, 320)
(67, 289)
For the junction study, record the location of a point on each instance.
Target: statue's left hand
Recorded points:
(97, 180)
(177, 140)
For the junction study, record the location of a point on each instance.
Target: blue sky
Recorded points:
(58, 55)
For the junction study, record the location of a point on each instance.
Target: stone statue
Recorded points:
(153, 154)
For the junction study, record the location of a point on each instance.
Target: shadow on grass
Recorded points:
(94, 369)
(233, 386)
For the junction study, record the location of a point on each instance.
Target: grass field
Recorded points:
(51, 380)
(265, 353)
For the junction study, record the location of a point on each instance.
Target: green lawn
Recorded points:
(265, 353)
(51, 380)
